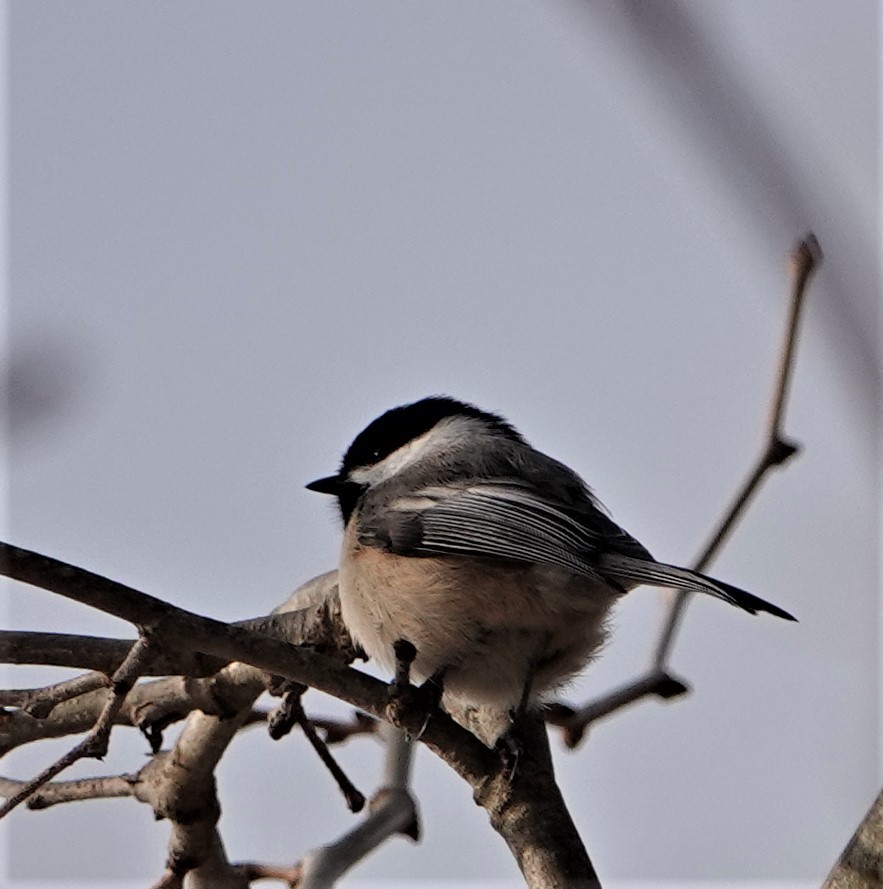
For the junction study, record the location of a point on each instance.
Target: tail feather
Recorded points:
(660, 574)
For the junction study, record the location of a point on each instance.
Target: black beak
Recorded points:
(331, 484)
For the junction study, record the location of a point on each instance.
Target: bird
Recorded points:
(494, 564)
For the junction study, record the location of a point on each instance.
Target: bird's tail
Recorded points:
(660, 574)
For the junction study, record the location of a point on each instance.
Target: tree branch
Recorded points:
(40, 702)
(861, 864)
(95, 743)
(468, 756)
(777, 449)
(55, 792)
(96, 653)
(392, 811)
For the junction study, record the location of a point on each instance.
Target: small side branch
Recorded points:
(777, 449)
(573, 723)
(94, 745)
(55, 792)
(40, 702)
(290, 713)
(392, 811)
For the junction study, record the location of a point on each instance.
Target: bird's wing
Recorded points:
(496, 521)
(659, 574)
(511, 522)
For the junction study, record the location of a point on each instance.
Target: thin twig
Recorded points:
(777, 449)
(336, 732)
(94, 745)
(55, 792)
(392, 811)
(290, 713)
(573, 723)
(40, 702)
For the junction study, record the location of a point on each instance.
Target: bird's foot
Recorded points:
(510, 748)
(406, 700)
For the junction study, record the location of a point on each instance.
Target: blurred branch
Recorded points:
(759, 163)
(336, 732)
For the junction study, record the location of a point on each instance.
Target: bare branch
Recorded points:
(95, 743)
(530, 836)
(531, 816)
(169, 880)
(39, 702)
(290, 713)
(96, 653)
(861, 864)
(777, 449)
(215, 872)
(55, 792)
(656, 683)
(150, 706)
(392, 811)
(179, 785)
(288, 874)
(186, 630)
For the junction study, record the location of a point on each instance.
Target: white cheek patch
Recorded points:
(394, 463)
(438, 437)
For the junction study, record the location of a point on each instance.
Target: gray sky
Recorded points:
(238, 232)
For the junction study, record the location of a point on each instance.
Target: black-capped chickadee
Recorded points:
(493, 560)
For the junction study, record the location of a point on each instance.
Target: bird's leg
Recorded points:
(405, 654)
(510, 744)
(425, 698)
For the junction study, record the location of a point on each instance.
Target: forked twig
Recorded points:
(777, 449)
(95, 744)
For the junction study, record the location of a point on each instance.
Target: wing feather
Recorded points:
(513, 522)
(498, 521)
